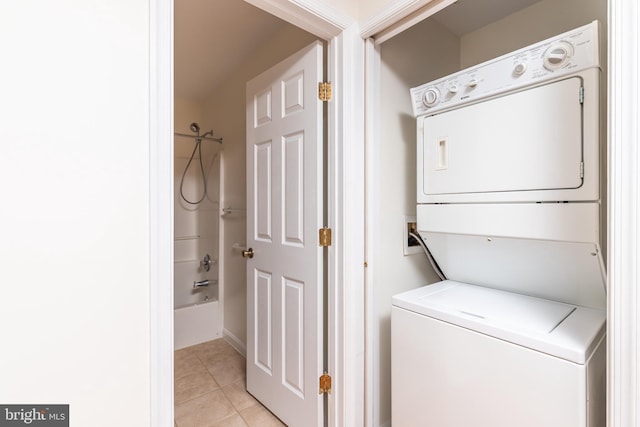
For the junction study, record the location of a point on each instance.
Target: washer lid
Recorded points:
(562, 330)
(508, 310)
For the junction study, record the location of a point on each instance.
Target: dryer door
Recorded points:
(530, 140)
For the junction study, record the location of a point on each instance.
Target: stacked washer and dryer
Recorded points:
(509, 205)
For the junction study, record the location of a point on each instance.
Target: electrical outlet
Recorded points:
(410, 244)
(412, 228)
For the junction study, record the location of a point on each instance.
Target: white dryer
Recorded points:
(509, 205)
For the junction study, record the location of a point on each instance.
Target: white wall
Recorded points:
(225, 112)
(347, 7)
(74, 226)
(369, 8)
(543, 19)
(409, 59)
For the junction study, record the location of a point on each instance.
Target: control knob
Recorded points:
(557, 55)
(431, 97)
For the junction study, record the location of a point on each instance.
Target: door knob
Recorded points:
(247, 253)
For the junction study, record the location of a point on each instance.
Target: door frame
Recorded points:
(623, 228)
(161, 212)
(345, 204)
(623, 331)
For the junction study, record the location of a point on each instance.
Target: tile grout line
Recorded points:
(199, 356)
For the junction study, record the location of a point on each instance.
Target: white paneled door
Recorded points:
(284, 213)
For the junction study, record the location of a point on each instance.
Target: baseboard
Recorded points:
(235, 342)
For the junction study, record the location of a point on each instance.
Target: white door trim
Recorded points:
(161, 211)
(372, 147)
(312, 16)
(346, 217)
(623, 357)
(399, 15)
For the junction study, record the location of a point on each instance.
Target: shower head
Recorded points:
(194, 128)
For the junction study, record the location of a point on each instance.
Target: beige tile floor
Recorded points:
(210, 389)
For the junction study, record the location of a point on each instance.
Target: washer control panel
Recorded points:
(564, 54)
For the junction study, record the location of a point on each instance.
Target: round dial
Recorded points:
(520, 68)
(431, 97)
(557, 56)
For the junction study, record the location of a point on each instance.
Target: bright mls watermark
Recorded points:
(34, 415)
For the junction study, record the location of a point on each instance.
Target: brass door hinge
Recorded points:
(325, 383)
(324, 91)
(324, 236)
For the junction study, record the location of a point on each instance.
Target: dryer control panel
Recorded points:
(564, 54)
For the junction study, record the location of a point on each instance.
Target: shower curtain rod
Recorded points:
(199, 137)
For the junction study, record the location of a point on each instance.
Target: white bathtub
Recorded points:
(196, 323)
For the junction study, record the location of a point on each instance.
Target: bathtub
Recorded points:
(196, 323)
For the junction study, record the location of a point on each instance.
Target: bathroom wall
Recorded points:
(185, 112)
(224, 111)
(422, 53)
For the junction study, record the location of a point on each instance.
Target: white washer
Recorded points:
(464, 355)
(509, 206)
